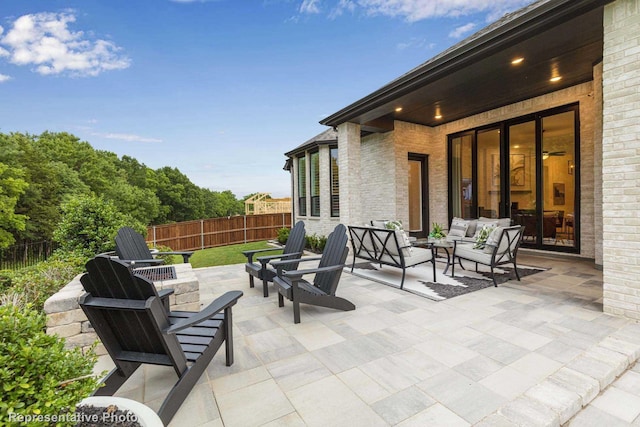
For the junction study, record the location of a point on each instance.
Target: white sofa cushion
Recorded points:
(466, 251)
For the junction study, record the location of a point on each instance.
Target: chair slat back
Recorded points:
(295, 243)
(335, 253)
(112, 278)
(133, 327)
(131, 245)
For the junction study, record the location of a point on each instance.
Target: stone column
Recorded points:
(349, 174)
(621, 158)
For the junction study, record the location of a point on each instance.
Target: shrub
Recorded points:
(37, 375)
(283, 235)
(315, 243)
(89, 224)
(168, 259)
(37, 283)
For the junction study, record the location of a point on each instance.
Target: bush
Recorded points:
(37, 283)
(89, 224)
(35, 368)
(168, 259)
(283, 235)
(315, 243)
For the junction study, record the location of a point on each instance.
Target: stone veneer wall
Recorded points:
(621, 158)
(66, 319)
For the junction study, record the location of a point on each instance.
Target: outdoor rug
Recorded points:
(419, 279)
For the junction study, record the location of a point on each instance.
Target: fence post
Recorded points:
(202, 234)
(245, 228)
(154, 237)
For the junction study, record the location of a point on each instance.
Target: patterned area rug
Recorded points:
(419, 279)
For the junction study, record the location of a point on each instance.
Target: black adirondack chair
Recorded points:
(126, 313)
(292, 251)
(322, 291)
(132, 248)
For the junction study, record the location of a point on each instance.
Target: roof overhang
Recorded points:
(555, 37)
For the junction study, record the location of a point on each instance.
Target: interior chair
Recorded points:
(126, 313)
(132, 248)
(322, 291)
(500, 249)
(293, 250)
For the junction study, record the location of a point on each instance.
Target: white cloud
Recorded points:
(4, 78)
(416, 10)
(310, 6)
(127, 137)
(415, 43)
(462, 30)
(45, 41)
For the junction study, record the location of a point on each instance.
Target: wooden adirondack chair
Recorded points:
(292, 250)
(322, 291)
(132, 248)
(126, 313)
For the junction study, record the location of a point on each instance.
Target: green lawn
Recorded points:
(225, 255)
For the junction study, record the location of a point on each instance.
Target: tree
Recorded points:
(89, 225)
(11, 187)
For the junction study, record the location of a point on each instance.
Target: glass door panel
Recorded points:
(522, 178)
(558, 178)
(462, 177)
(488, 161)
(415, 196)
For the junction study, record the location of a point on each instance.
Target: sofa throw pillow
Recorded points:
(473, 226)
(405, 242)
(493, 239)
(458, 229)
(486, 222)
(482, 235)
(393, 225)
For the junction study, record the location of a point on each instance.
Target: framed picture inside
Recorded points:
(558, 193)
(517, 170)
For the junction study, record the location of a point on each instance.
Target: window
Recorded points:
(335, 183)
(302, 186)
(314, 173)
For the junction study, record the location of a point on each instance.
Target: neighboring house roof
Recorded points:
(475, 75)
(329, 136)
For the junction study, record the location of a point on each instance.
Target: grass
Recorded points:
(225, 255)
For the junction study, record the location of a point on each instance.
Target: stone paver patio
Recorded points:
(525, 353)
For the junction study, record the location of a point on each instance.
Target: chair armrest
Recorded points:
(143, 261)
(225, 301)
(278, 263)
(185, 254)
(250, 254)
(265, 259)
(297, 274)
(163, 293)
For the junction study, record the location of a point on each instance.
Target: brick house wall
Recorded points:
(621, 158)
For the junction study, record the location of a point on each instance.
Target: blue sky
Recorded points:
(220, 89)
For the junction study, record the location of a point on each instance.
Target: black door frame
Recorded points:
(424, 162)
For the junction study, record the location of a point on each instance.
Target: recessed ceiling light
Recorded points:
(517, 61)
(398, 109)
(555, 79)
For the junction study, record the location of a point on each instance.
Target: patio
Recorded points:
(400, 359)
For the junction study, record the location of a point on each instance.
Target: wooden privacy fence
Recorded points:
(207, 233)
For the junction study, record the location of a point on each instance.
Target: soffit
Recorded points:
(482, 77)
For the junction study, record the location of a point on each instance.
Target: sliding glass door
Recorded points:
(526, 169)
